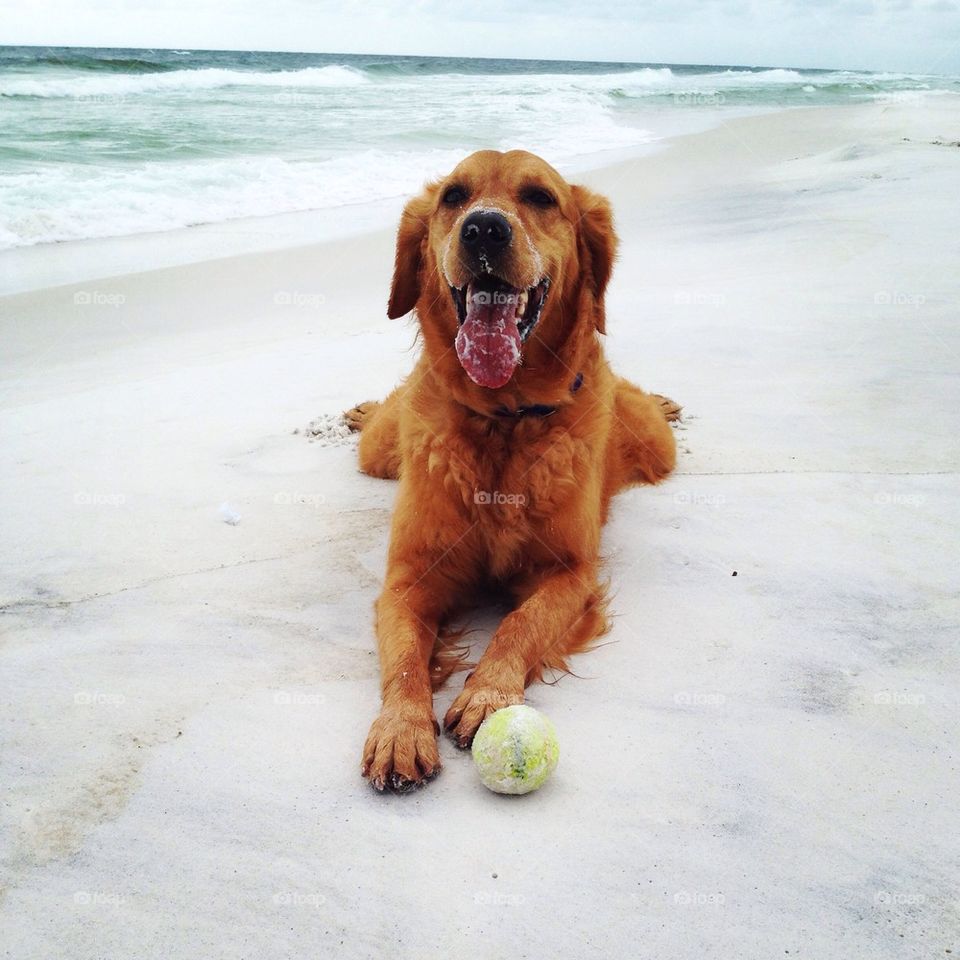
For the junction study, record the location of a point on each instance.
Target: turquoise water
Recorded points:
(110, 142)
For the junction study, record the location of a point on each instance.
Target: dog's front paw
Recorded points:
(670, 409)
(401, 750)
(357, 416)
(472, 707)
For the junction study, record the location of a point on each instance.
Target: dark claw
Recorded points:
(396, 784)
(432, 774)
(453, 722)
(399, 784)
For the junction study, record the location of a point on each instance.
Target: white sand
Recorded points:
(756, 766)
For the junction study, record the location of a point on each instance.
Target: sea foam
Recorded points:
(178, 81)
(118, 142)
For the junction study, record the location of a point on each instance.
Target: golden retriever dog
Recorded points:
(509, 438)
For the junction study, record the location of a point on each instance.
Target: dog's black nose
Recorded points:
(486, 229)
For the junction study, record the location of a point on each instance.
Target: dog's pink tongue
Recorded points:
(488, 343)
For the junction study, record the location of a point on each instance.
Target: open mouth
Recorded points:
(495, 320)
(490, 291)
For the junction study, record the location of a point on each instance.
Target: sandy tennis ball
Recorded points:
(515, 750)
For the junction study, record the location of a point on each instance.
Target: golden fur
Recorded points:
(516, 503)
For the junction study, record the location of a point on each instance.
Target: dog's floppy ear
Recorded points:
(598, 245)
(411, 236)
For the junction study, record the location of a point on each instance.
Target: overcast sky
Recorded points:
(898, 35)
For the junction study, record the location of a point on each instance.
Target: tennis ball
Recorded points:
(515, 750)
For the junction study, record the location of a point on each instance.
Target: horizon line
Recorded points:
(445, 56)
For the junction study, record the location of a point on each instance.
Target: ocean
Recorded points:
(115, 142)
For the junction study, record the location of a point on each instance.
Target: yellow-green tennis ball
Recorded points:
(515, 750)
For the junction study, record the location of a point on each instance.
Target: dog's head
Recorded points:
(503, 260)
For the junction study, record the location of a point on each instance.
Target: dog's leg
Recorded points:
(642, 448)
(562, 614)
(401, 750)
(379, 424)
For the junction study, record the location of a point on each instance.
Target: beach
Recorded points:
(761, 758)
